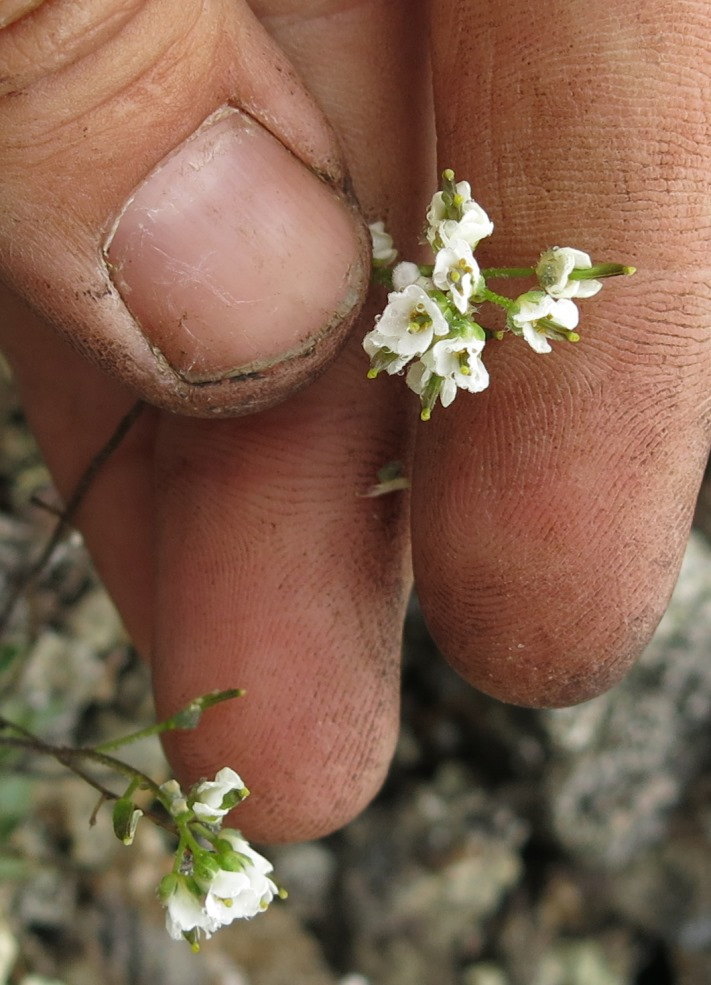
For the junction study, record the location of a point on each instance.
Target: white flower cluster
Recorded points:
(429, 323)
(218, 877)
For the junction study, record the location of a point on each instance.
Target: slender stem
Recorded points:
(186, 718)
(496, 273)
(201, 829)
(191, 841)
(124, 740)
(67, 756)
(493, 298)
(23, 581)
(601, 270)
(101, 759)
(33, 745)
(6, 723)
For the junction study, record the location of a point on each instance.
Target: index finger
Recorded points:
(564, 494)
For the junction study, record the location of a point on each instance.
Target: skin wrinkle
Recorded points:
(558, 152)
(62, 94)
(576, 134)
(66, 33)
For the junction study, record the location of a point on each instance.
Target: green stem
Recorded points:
(493, 298)
(202, 829)
(131, 789)
(184, 845)
(188, 842)
(6, 723)
(144, 733)
(601, 270)
(187, 718)
(496, 273)
(123, 769)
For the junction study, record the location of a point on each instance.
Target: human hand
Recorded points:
(549, 514)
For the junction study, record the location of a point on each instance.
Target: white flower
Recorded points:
(404, 330)
(450, 364)
(422, 381)
(459, 360)
(212, 799)
(539, 317)
(384, 252)
(230, 897)
(456, 271)
(472, 227)
(471, 224)
(185, 912)
(554, 268)
(381, 356)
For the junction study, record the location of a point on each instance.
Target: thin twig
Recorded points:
(66, 756)
(25, 579)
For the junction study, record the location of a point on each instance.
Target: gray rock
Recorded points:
(430, 871)
(621, 762)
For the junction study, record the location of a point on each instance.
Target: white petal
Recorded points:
(417, 376)
(476, 380)
(586, 288)
(579, 258)
(383, 250)
(474, 226)
(537, 340)
(531, 307)
(404, 274)
(565, 313)
(242, 847)
(185, 912)
(227, 884)
(207, 812)
(448, 392)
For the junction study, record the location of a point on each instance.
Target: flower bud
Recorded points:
(125, 820)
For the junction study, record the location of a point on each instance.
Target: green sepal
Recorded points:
(125, 819)
(167, 886)
(205, 868)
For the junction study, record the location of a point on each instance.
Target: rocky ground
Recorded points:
(508, 847)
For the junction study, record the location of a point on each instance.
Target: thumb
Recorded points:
(172, 201)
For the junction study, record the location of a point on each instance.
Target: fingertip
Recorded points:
(563, 509)
(300, 789)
